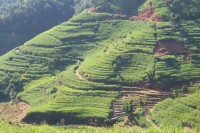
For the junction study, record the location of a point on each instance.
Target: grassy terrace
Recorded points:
(190, 101)
(172, 69)
(57, 101)
(70, 79)
(181, 112)
(35, 63)
(5, 127)
(36, 55)
(59, 94)
(66, 95)
(130, 44)
(75, 107)
(165, 30)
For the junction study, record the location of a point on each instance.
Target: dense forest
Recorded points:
(29, 16)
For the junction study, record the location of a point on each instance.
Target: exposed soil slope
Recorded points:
(170, 47)
(148, 15)
(14, 111)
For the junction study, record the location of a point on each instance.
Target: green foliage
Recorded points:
(173, 69)
(178, 113)
(139, 119)
(25, 15)
(91, 17)
(176, 93)
(174, 9)
(6, 127)
(72, 105)
(112, 52)
(129, 107)
(186, 9)
(20, 20)
(127, 7)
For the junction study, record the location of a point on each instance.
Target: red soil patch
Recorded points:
(171, 47)
(148, 15)
(14, 111)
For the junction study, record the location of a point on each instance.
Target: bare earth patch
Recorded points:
(148, 15)
(172, 47)
(15, 111)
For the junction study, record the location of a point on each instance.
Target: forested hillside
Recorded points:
(20, 20)
(22, 16)
(114, 62)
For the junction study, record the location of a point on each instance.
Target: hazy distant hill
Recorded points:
(20, 20)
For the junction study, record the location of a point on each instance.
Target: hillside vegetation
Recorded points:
(21, 20)
(180, 112)
(71, 129)
(73, 72)
(28, 16)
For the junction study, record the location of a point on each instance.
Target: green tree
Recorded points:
(129, 107)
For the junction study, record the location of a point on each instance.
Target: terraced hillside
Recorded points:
(181, 112)
(72, 73)
(148, 97)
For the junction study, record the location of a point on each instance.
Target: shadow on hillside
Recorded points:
(62, 118)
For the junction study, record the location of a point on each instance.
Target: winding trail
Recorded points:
(79, 75)
(148, 118)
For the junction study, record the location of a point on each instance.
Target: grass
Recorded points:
(57, 101)
(91, 17)
(180, 112)
(5, 127)
(177, 70)
(70, 79)
(107, 52)
(105, 65)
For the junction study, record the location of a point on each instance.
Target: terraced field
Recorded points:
(76, 72)
(181, 112)
(148, 97)
(180, 67)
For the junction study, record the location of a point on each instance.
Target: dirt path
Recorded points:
(148, 118)
(189, 129)
(79, 75)
(14, 111)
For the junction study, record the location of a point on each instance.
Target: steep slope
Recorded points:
(20, 20)
(77, 68)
